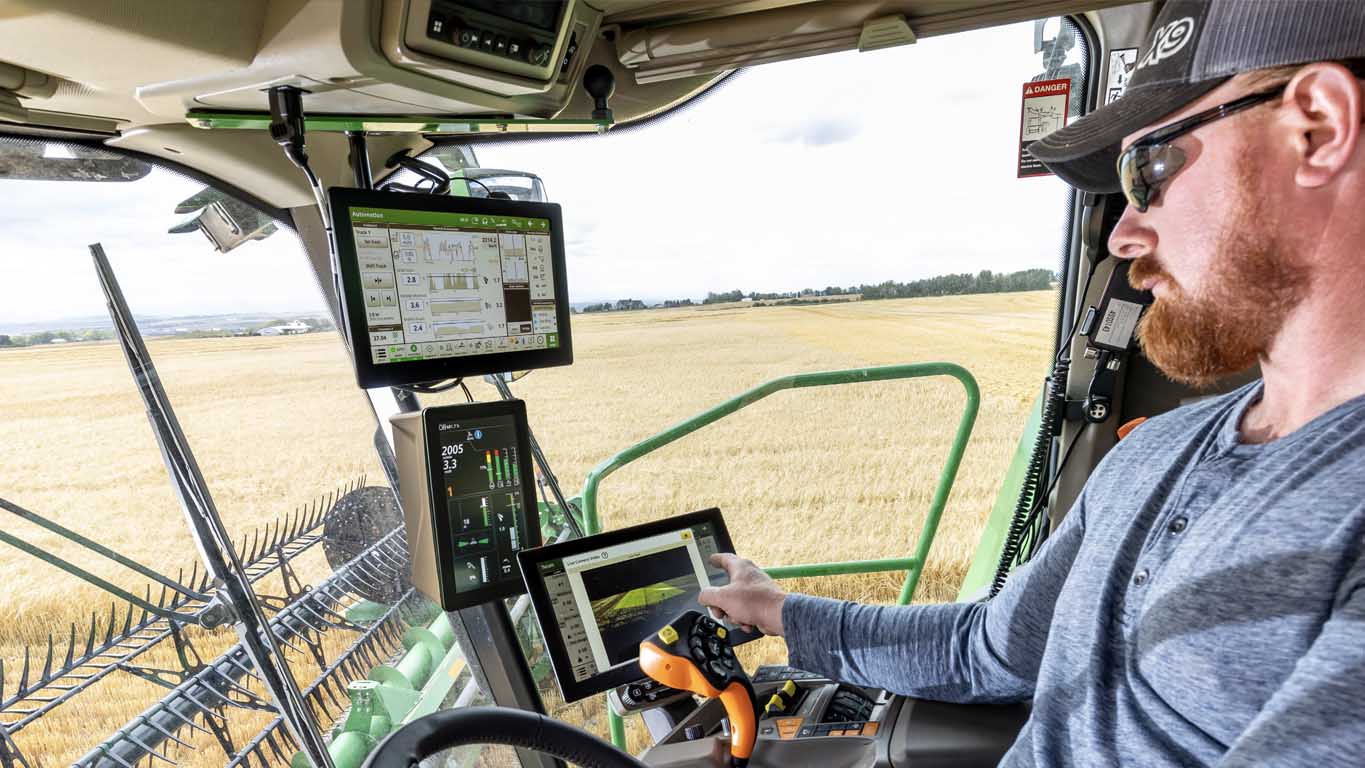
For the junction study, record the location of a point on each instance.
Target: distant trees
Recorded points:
(984, 281)
(723, 298)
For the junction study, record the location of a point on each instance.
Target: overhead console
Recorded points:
(515, 47)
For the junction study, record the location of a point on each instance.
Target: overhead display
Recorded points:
(469, 499)
(440, 287)
(599, 596)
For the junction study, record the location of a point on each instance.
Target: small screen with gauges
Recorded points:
(469, 501)
(439, 287)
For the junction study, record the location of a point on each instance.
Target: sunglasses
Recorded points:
(1153, 160)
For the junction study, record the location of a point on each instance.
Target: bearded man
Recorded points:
(1203, 602)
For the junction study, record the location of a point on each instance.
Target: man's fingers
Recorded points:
(728, 561)
(709, 596)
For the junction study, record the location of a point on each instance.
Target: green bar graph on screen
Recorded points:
(497, 465)
(488, 463)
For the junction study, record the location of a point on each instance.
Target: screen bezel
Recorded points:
(370, 374)
(451, 598)
(531, 559)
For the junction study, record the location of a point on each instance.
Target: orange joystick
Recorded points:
(693, 653)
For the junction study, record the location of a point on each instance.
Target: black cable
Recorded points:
(1054, 406)
(1022, 538)
(435, 387)
(1037, 530)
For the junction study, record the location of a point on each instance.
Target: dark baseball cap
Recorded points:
(1197, 45)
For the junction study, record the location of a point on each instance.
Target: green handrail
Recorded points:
(912, 566)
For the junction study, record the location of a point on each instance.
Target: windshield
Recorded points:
(835, 213)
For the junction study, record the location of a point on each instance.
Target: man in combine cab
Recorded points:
(1204, 601)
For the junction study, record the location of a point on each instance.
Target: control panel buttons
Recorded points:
(540, 55)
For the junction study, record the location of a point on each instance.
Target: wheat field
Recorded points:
(803, 476)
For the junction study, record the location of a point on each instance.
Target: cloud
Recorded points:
(817, 132)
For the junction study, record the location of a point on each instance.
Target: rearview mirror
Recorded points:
(225, 221)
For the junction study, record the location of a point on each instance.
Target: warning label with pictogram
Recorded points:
(1044, 111)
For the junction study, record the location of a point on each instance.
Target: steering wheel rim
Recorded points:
(439, 731)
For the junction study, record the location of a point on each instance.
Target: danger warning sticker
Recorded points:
(1044, 111)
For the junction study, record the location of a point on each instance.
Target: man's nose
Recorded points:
(1132, 238)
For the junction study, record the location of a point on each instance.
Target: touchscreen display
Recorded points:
(439, 285)
(482, 495)
(607, 600)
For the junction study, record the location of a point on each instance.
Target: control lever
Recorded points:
(693, 653)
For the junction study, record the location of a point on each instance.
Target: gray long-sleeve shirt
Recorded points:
(1202, 604)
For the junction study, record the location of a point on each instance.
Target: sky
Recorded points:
(835, 170)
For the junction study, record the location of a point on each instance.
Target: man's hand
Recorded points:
(751, 599)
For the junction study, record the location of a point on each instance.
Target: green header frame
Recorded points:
(260, 121)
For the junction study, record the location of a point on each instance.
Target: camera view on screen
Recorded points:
(632, 598)
(606, 601)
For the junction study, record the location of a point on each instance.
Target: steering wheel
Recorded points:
(439, 731)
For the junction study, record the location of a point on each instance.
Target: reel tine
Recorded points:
(246, 669)
(189, 721)
(147, 598)
(274, 747)
(227, 702)
(23, 674)
(152, 754)
(177, 597)
(117, 759)
(128, 619)
(109, 625)
(327, 686)
(161, 599)
(234, 685)
(164, 732)
(280, 637)
(255, 542)
(47, 665)
(90, 639)
(70, 647)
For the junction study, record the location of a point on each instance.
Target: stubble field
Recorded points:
(804, 476)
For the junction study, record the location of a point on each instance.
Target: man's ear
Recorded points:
(1324, 103)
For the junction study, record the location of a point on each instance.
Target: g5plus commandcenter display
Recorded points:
(437, 287)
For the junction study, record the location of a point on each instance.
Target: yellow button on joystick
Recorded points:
(668, 634)
(720, 632)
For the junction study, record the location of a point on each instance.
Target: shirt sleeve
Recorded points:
(983, 652)
(1314, 718)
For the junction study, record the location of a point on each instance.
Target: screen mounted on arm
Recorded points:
(599, 596)
(438, 287)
